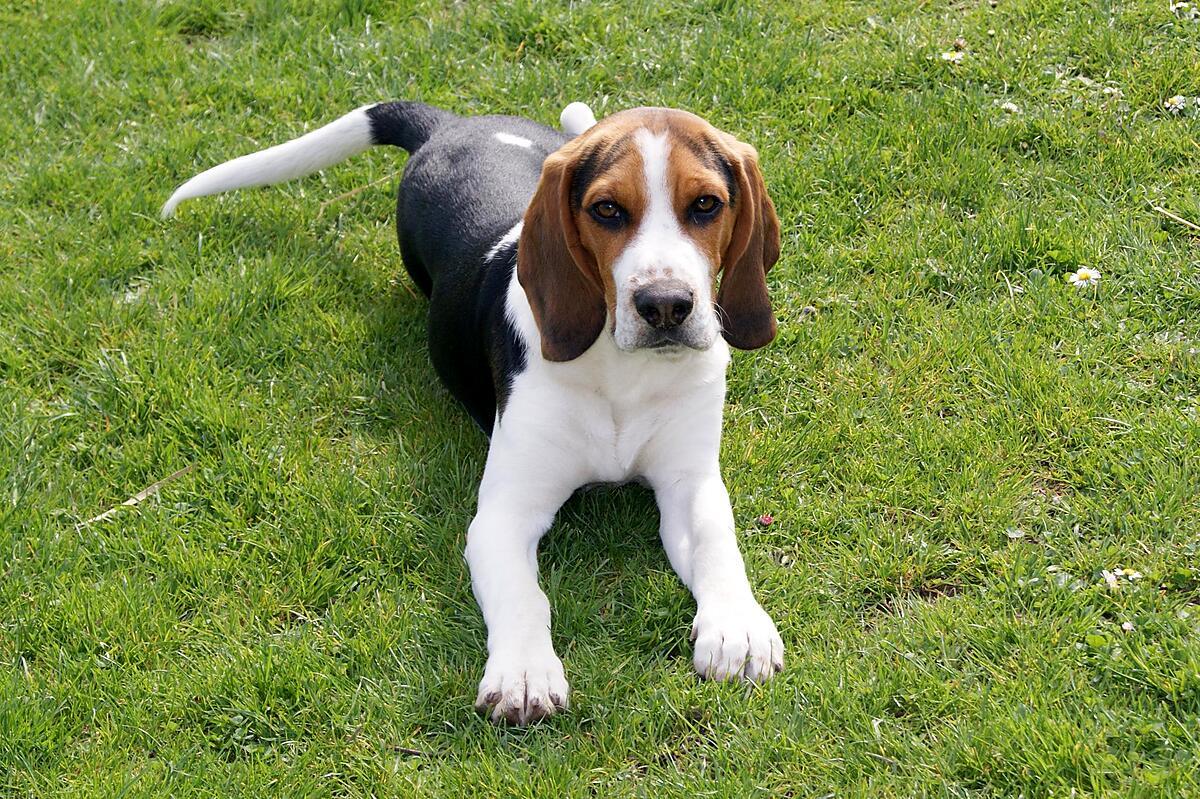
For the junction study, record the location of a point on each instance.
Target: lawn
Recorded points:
(959, 448)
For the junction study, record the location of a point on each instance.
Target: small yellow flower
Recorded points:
(1083, 277)
(1175, 104)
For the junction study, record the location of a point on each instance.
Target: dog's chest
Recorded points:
(608, 412)
(619, 429)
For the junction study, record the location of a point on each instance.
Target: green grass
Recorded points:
(941, 420)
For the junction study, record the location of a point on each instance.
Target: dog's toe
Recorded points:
(736, 643)
(522, 689)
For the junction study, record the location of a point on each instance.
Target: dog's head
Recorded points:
(660, 223)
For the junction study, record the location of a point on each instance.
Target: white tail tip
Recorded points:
(314, 151)
(168, 209)
(576, 118)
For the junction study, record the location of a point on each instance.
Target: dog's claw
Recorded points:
(522, 689)
(733, 643)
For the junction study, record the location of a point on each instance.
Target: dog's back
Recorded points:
(463, 190)
(467, 183)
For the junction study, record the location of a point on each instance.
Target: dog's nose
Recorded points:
(663, 306)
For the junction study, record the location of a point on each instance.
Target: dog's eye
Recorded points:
(607, 210)
(706, 205)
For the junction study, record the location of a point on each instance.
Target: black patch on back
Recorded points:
(462, 191)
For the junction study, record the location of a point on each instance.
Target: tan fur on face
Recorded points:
(745, 233)
(622, 184)
(690, 177)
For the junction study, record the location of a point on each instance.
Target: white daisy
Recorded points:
(953, 56)
(1083, 277)
(1185, 10)
(1175, 104)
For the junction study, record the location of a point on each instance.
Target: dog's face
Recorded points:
(636, 221)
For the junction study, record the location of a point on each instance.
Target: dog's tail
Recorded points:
(576, 118)
(401, 124)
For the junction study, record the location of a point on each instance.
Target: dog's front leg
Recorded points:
(523, 680)
(734, 637)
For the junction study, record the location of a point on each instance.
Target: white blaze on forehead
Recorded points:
(659, 217)
(661, 249)
(516, 141)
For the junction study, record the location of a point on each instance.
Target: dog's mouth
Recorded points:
(668, 343)
(690, 337)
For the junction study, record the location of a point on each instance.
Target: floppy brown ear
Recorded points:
(558, 274)
(747, 320)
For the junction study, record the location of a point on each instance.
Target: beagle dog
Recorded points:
(584, 288)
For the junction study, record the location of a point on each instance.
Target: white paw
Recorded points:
(522, 687)
(739, 641)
